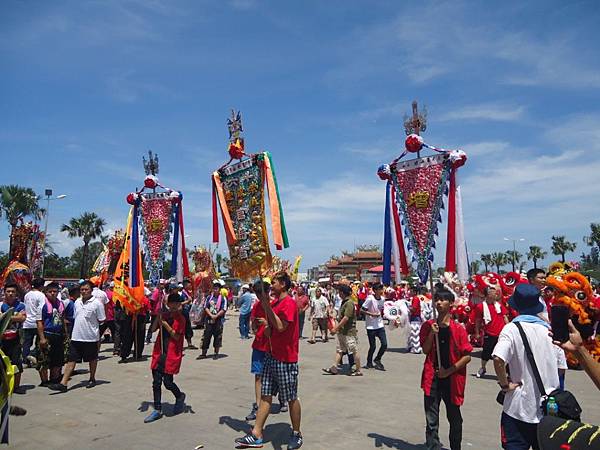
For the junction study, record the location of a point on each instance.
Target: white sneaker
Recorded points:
(481, 372)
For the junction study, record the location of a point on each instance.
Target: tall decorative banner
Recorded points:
(239, 191)
(156, 215)
(128, 277)
(415, 194)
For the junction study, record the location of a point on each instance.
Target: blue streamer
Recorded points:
(387, 239)
(134, 250)
(175, 252)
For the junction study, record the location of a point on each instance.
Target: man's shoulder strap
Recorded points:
(531, 359)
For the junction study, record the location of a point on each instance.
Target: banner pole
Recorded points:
(435, 317)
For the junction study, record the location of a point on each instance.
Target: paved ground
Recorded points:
(379, 410)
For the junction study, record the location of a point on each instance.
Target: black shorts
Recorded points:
(13, 349)
(214, 330)
(489, 342)
(83, 351)
(54, 354)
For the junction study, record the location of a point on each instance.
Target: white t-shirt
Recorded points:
(319, 307)
(34, 300)
(337, 303)
(524, 402)
(100, 295)
(87, 317)
(373, 305)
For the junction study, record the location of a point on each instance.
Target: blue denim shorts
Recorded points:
(258, 361)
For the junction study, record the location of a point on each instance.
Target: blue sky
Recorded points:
(89, 86)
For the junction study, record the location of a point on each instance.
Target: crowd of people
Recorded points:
(55, 327)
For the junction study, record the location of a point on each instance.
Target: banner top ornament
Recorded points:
(236, 141)
(151, 164)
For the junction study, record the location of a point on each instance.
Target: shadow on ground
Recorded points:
(167, 408)
(398, 350)
(390, 442)
(277, 434)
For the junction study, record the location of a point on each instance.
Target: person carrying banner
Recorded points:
(167, 355)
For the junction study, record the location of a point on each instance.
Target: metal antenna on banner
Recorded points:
(435, 316)
(417, 123)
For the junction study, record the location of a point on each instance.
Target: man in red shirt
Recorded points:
(280, 370)
(492, 315)
(302, 301)
(444, 371)
(167, 355)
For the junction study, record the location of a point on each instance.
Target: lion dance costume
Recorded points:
(574, 290)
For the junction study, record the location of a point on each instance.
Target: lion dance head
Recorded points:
(574, 290)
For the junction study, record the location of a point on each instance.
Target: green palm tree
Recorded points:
(218, 261)
(499, 259)
(16, 203)
(560, 246)
(536, 253)
(486, 259)
(475, 266)
(88, 226)
(514, 257)
(594, 237)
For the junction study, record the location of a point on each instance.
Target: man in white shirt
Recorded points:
(521, 412)
(89, 312)
(319, 312)
(373, 309)
(34, 300)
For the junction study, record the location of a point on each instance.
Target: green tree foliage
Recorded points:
(59, 267)
(560, 246)
(88, 226)
(499, 259)
(536, 253)
(475, 267)
(487, 261)
(16, 203)
(513, 257)
(590, 263)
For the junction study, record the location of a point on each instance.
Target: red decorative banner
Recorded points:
(156, 227)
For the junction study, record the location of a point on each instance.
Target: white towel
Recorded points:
(487, 317)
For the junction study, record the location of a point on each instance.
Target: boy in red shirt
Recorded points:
(444, 378)
(280, 370)
(167, 355)
(492, 314)
(260, 345)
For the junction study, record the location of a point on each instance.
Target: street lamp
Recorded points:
(514, 241)
(48, 193)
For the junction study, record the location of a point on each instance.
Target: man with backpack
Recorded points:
(522, 405)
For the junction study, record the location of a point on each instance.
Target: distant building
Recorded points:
(353, 266)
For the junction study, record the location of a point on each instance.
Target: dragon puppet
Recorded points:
(574, 290)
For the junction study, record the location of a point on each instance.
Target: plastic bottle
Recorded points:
(552, 407)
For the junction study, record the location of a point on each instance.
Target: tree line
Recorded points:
(589, 262)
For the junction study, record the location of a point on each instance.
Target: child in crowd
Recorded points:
(493, 315)
(444, 371)
(167, 355)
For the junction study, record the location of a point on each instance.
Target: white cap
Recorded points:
(246, 286)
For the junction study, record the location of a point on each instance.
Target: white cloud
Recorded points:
(486, 111)
(452, 44)
(487, 148)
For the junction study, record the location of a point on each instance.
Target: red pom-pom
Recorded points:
(236, 149)
(131, 198)
(413, 143)
(151, 182)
